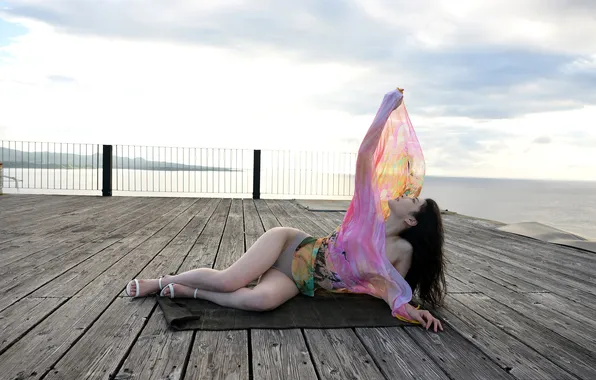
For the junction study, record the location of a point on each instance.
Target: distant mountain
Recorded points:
(12, 158)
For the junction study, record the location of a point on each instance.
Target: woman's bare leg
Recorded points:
(257, 259)
(273, 289)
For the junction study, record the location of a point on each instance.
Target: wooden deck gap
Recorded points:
(157, 254)
(474, 292)
(251, 375)
(33, 326)
(373, 357)
(60, 274)
(503, 280)
(221, 237)
(309, 349)
(75, 341)
(125, 356)
(553, 330)
(188, 353)
(428, 353)
(521, 341)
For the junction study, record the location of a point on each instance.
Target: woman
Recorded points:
(387, 246)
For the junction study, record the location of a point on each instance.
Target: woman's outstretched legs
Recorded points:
(256, 261)
(273, 289)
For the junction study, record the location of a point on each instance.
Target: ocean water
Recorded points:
(570, 206)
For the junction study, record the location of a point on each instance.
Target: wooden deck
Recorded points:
(517, 308)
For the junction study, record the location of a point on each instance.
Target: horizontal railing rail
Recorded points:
(137, 170)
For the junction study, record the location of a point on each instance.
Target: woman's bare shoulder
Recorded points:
(399, 250)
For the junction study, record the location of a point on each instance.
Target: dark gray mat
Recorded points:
(325, 310)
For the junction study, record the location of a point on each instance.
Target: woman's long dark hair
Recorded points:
(426, 275)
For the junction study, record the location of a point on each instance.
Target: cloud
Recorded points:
(542, 140)
(61, 79)
(456, 60)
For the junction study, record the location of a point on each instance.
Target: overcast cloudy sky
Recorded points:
(493, 88)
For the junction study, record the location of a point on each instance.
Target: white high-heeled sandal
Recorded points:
(170, 286)
(136, 282)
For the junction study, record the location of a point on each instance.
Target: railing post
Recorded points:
(256, 175)
(106, 190)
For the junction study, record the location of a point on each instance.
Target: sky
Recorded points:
(501, 89)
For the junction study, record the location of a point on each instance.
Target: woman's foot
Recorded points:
(141, 288)
(178, 291)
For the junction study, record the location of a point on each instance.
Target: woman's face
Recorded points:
(404, 207)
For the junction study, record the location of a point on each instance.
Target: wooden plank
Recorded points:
(31, 241)
(337, 217)
(253, 227)
(40, 206)
(16, 320)
(508, 352)
(456, 356)
(39, 350)
(219, 355)
(573, 310)
(454, 285)
(167, 261)
(19, 285)
(318, 218)
(79, 276)
(280, 354)
(6, 239)
(232, 242)
(470, 262)
(331, 221)
(37, 246)
(171, 258)
(497, 238)
(397, 355)
(561, 351)
(46, 273)
(276, 354)
(96, 355)
(580, 271)
(581, 333)
(231, 360)
(203, 253)
(555, 283)
(526, 248)
(83, 231)
(288, 217)
(11, 201)
(56, 222)
(71, 208)
(339, 354)
(160, 353)
(267, 217)
(96, 226)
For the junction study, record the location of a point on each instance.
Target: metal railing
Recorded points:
(50, 166)
(137, 170)
(307, 174)
(182, 170)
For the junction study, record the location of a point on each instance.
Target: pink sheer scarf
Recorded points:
(390, 164)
